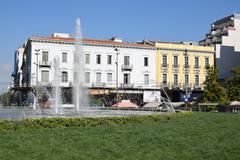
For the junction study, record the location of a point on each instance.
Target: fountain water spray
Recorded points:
(56, 85)
(80, 97)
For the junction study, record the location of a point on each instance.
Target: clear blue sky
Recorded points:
(132, 20)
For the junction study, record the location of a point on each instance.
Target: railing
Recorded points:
(197, 87)
(197, 67)
(126, 85)
(165, 85)
(44, 64)
(127, 67)
(186, 66)
(175, 66)
(176, 85)
(187, 85)
(165, 65)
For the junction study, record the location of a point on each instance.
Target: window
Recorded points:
(87, 77)
(109, 59)
(64, 77)
(197, 80)
(109, 77)
(175, 79)
(98, 78)
(45, 76)
(126, 60)
(164, 78)
(175, 61)
(186, 79)
(64, 57)
(186, 62)
(126, 78)
(196, 62)
(98, 60)
(164, 60)
(44, 56)
(206, 61)
(145, 61)
(146, 79)
(87, 58)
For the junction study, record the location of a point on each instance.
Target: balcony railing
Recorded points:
(176, 85)
(165, 85)
(175, 66)
(197, 86)
(187, 85)
(127, 67)
(197, 67)
(164, 65)
(44, 64)
(126, 85)
(187, 66)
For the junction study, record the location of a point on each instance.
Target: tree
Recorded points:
(213, 91)
(233, 85)
(5, 99)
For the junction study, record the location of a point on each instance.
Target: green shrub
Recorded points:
(12, 125)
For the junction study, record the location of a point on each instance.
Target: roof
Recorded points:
(91, 41)
(225, 19)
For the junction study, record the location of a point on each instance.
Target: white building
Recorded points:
(225, 37)
(136, 62)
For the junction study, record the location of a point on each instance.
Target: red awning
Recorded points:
(126, 104)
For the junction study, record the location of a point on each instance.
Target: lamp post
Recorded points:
(37, 52)
(117, 53)
(185, 66)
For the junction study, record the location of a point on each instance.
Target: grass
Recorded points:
(201, 136)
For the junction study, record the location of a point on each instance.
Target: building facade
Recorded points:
(115, 64)
(181, 65)
(135, 67)
(224, 37)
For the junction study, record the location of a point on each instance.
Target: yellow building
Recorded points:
(180, 65)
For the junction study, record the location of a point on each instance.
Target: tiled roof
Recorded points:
(92, 41)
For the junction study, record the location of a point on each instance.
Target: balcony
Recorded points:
(165, 85)
(187, 66)
(44, 64)
(197, 67)
(164, 68)
(197, 87)
(175, 66)
(127, 67)
(176, 85)
(165, 65)
(187, 85)
(126, 85)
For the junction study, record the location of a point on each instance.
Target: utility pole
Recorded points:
(117, 53)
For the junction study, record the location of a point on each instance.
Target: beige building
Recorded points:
(180, 65)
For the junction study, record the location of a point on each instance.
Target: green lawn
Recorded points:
(202, 136)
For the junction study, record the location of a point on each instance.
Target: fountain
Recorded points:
(80, 98)
(56, 85)
(81, 107)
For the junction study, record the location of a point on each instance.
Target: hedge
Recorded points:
(31, 123)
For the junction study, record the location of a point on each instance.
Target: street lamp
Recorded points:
(117, 53)
(185, 66)
(37, 52)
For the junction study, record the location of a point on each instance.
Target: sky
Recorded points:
(131, 20)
